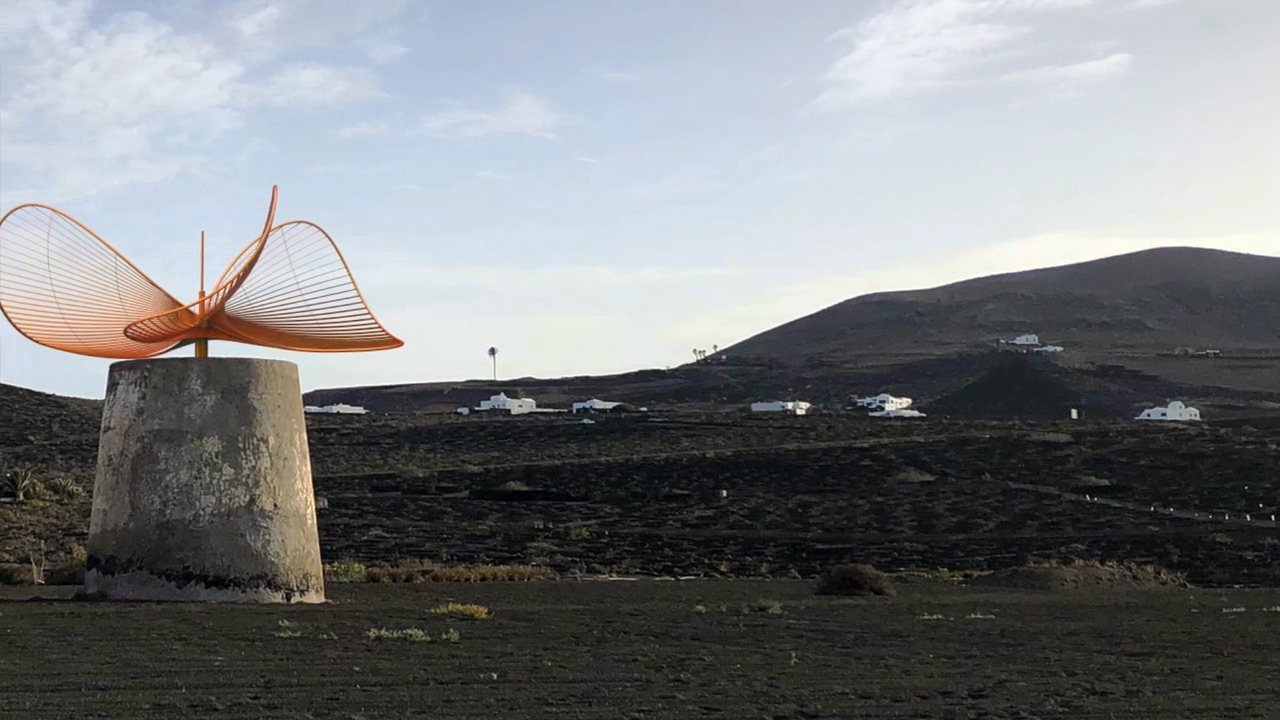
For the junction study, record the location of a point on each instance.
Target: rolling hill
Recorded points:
(1120, 318)
(1146, 302)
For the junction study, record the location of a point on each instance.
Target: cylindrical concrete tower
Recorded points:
(203, 491)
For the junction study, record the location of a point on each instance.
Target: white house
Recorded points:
(1029, 339)
(792, 407)
(339, 409)
(1049, 349)
(900, 413)
(594, 405)
(1175, 411)
(515, 406)
(884, 401)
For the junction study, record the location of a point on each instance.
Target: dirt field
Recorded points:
(641, 494)
(651, 649)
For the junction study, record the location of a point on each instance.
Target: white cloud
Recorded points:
(384, 53)
(521, 113)
(493, 175)
(317, 85)
(257, 21)
(89, 107)
(1070, 80)
(362, 130)
(916, 46)
(615, 76)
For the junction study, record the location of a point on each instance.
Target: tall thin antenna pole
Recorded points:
(202, 344)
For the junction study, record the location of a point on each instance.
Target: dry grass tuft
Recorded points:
(1082, 574)
(409, 634)
(462, 610)
(420, 571)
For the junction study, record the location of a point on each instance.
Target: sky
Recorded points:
(597, 186)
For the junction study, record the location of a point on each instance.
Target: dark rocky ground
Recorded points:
(704, 649)
(642, 493)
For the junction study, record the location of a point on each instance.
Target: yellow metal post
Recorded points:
(202, 344)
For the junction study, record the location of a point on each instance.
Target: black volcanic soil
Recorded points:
(642, 493)
(650, 649)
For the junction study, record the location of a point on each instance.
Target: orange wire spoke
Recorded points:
(64, 287)
(300, 295)
(182, 325)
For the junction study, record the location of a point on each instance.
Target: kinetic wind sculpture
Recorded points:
(64, 287)
(203, 488)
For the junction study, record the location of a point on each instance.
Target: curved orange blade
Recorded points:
(182, 325)
(300, 295)
(64, 287)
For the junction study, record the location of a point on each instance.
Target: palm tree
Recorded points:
(493, 356)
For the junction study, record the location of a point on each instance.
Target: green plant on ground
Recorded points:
(451, 635)
(857, 579)
(69, 570)
(913, 475)
(346, 571)
(462, 610)
(22, 484)
(410, 634)
(769, 607)
(418, 571)
(64, 488)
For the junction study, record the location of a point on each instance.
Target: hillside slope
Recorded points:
(1120, 318)
(1146, 302)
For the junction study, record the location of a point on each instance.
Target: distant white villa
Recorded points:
(791, 407)
(895, 414)
(594, 405)
(515, 406)
(1030, 342)
(884, 402)
(1175, 411)
(337, 409)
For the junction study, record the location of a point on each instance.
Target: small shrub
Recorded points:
(69, 570)
(462, 610)
(410, 634)
(854, 580)
(22, 485)
(770, 607)
(514, 486)
(346, 571)
(451, 635)
(1056, 438)
(15, 574)
(418, 571)
(64, 488)
(913, 475)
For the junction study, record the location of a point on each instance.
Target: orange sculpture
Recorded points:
(64, 287)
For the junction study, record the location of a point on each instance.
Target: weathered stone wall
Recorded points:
(203, 488)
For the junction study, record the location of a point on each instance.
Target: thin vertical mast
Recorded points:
(202, 344)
